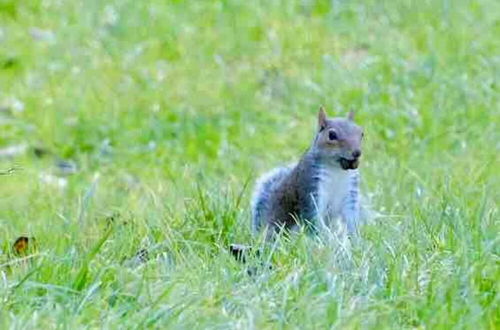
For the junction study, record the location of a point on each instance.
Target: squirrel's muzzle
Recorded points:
(349, 164)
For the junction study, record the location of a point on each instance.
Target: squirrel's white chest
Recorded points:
(333, 188)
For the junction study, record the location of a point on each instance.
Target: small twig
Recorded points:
(10, 170)
(15, 261)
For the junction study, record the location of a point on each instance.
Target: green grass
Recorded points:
(168, 108)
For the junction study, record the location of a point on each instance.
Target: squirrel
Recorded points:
(322, 187)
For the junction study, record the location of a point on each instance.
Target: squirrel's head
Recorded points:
(338, 140)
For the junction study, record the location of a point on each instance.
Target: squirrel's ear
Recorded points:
(350, 115)
(321, 118)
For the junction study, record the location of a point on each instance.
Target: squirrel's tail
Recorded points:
(264, 193)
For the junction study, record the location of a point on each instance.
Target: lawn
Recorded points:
(132, 132)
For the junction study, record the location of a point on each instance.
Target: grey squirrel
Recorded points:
(321, 188)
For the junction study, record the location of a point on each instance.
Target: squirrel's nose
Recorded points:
(356, 153)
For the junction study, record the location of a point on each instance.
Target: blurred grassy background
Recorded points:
(149, 117)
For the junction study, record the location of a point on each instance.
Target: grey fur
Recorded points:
(288, 196)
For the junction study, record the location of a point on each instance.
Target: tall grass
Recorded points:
(138, 126)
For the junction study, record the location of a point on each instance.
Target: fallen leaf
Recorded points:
(23, 244)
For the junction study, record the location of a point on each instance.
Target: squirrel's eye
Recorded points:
(332, 135)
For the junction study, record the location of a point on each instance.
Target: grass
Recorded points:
(169, 108)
